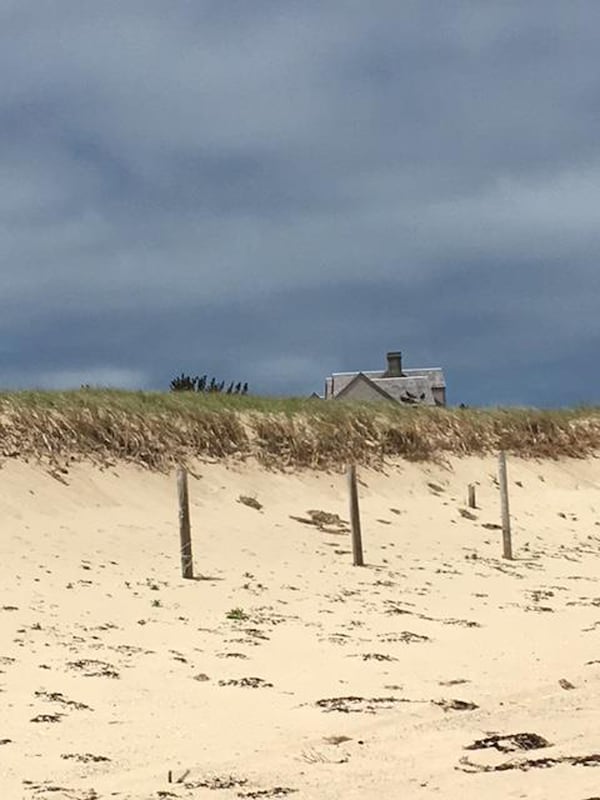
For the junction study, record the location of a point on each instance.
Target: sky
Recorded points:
(272, 191)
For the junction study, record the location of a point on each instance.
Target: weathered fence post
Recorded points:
(506, 537)
(357, 552)
(472, 500)
(187, 565)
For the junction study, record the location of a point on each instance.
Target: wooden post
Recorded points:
(357, 553)
(506, 540)
(187, 565)
(472, 500)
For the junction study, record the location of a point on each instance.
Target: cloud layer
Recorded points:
(270, 192)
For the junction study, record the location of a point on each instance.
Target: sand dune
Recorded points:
(284, 670)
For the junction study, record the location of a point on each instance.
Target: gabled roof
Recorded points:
(360, 377)
(415, 390)
(434, 375)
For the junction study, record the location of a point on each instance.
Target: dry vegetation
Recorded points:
(157, 429)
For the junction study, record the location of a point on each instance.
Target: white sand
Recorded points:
(90, 571)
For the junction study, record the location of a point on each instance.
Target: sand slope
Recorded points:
(285, 670)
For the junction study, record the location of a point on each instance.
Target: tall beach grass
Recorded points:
(158, 429)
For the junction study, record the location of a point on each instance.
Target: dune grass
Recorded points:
(156, 430)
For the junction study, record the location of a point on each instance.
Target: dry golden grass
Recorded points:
(158, 429)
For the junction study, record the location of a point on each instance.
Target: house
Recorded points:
(406, 386)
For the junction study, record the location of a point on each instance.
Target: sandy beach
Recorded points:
(437, 669)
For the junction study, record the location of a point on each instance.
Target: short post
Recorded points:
(187, 565)
(472, 500)
(506, 539)
(357, 552)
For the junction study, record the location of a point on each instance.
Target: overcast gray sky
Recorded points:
(271, 190)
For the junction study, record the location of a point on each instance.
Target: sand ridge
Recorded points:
(284, 670)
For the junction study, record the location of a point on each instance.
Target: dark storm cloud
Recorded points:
(282, 190)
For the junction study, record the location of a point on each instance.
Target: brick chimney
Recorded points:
(394, 369)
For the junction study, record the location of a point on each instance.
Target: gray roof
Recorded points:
(361, 377)
(407, 389)
(414, 386)
(434, 375)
